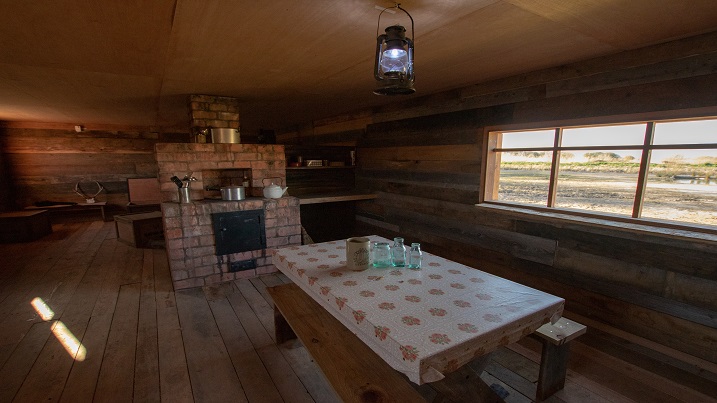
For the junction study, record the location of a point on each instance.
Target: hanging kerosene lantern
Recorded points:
(393, 68)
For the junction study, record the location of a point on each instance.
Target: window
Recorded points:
(656, 170)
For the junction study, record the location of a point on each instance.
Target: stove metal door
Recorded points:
(239, 231)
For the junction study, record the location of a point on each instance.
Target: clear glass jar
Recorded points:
(415, 256)
(398, 253)
(381, 254)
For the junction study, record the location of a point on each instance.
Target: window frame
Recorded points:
(492, 136)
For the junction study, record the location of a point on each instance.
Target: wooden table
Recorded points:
(424, 323)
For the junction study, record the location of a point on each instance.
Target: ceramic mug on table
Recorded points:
(358, 253)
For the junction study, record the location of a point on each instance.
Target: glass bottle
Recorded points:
(381, 254)
(415, 256)
(398, 253)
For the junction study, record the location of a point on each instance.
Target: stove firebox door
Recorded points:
(239, 231)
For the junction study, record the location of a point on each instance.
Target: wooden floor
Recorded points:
(142, 341)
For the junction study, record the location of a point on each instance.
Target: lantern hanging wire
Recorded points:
(398, 6)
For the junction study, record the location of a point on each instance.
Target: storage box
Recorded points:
(142, 230)
(143, 194)
(24, 226)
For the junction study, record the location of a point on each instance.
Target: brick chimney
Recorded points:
(209, 111)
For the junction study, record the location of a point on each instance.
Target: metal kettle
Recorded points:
(273, 191)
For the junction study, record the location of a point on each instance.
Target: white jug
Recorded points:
(358, 253)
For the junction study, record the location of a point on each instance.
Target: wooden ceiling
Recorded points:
(134, 62)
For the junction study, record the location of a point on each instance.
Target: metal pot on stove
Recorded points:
(232, 192)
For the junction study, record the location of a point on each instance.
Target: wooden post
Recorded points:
(553, 369)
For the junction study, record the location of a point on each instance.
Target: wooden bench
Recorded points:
(554, 359)
(73, 208)
(24, 226)
(356, 373)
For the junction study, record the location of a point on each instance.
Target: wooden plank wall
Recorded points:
(6, 187)
(46, 163)
(422, 157)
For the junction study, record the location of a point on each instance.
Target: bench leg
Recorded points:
(463, 385)
(282, 330)
(553, 368)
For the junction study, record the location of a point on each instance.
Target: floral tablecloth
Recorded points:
(423, 322)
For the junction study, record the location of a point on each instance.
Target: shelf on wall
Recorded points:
(324, 167)
(335, 197)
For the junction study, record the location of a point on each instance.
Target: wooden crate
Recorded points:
(142, 230)
(24, 226)
(144, 195)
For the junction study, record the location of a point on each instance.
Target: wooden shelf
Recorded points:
(323, 167)
(335, 197)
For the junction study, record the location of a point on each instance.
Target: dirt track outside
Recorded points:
(691, 201)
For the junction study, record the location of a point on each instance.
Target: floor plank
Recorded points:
(22, 360)
(174, 382)
(255, 379)
(115, 382)
(31, 259)
(210, 368)
(520, 388)
(296, 355)
(52, 366)
(81, 382)
(41, 279)
(259, 303)
(574, 382)
(146, 372)
(286, 380)
(145, 342)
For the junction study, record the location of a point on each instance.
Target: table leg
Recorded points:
(465, 385)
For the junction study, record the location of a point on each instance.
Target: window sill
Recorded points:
(638, 227)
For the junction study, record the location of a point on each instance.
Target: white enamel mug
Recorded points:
(358, 253)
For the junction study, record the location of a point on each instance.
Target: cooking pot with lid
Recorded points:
(232, 192)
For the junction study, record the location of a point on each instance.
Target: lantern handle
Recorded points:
(397, 6)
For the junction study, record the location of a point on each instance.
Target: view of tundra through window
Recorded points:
(601, 169)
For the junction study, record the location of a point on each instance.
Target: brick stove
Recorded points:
(188, 228)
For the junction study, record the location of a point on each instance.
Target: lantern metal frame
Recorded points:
(394, 36)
